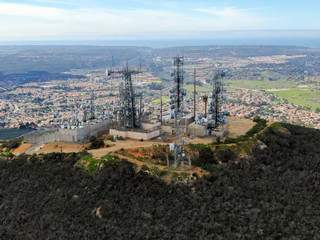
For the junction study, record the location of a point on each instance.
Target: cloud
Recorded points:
(24, 10)
(229, 12)
(51, 23)
(231, 18)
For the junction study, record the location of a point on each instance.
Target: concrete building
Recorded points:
(146, 132)
(79, 134)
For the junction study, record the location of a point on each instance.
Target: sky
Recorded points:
(150, 19)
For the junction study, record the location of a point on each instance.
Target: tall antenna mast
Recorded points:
(218, 99)
(177, 94)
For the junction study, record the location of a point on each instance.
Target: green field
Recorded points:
(302, 97)
(157, 101)
(204, 88)
(261, 84)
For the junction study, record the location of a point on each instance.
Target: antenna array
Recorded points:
(128, 116)
(177, 94)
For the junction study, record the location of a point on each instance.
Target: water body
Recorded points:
(311, 42)
(11, 133)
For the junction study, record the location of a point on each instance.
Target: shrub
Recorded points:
(160, 156)
(206, 156)
(11, 144)
(183, 175)
(175, 175)
(96, 143)
(158, 172)
(145, 168)
(231, 140)
(260, 125)
(226, 155)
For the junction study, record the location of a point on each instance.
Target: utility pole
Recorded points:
(194, 95)
(205, 99)
(161, 108)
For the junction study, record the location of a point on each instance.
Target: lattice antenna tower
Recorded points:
(177, 94)
(218, 99)
(128, 115)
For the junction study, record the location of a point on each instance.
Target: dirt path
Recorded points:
(125, 144)
(22, 148)
(199, 171)
(139, 163)
(97, 153)
(59, 147)
(238, 126)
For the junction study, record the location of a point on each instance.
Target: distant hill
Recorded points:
(272, 193)
(34, 76)
(53, 59)
(22, 60)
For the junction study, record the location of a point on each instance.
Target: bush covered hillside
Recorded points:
(272, 193)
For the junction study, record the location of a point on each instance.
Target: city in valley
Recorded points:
(280, 85)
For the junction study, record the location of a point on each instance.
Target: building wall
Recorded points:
(78, 135)
(167, 129)
(150, 126)
(197, 130)
(136, 135)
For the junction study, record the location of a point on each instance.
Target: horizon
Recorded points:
(310, 42)
(70, 20)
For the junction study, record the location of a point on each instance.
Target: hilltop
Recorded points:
(272, 192)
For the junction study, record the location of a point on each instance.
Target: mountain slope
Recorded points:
(273, 194)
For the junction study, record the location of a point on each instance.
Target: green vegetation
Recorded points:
(96, 143)
(232, 100)
(261, 84)
(145, 168)
(179, 176)
(93, 164)
(229, 150)
(270, 194)
(260, 125)
(6, 147)
(152, 160)
(204, 88)
(11, 144)
(157, 101)
(307, 98)
(156, 171)
(276, 126)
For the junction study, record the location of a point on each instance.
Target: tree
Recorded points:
(96, 143)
